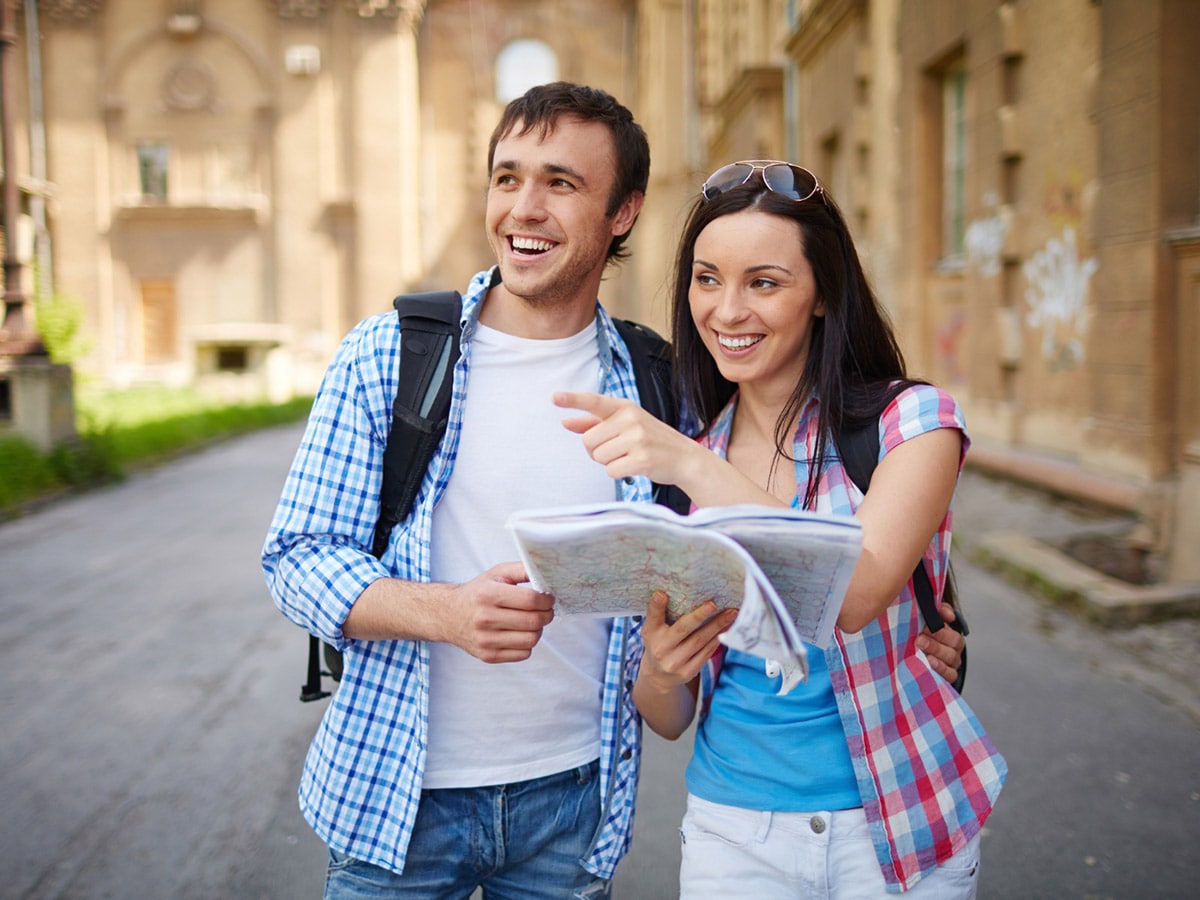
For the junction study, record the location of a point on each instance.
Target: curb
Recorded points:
(1098, 598)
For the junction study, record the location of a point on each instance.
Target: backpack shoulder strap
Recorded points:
(651, 356)
(859, 450)
(429, 332)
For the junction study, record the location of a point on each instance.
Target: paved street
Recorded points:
(152, 738)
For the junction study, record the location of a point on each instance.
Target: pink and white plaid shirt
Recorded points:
(928, 774)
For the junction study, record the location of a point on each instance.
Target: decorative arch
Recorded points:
(138, 44)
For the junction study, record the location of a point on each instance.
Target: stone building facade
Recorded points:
(228, 185)
(1024, 182)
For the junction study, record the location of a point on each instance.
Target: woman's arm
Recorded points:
(668, 681)
(627, 440)
(909, 497)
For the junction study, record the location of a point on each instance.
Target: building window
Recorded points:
(158, 321)
(954, 160)
(233, 359)
(152, 159)
(521, 65)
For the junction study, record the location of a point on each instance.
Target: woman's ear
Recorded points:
(819, 307)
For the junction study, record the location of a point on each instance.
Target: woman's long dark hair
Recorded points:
(854, 364)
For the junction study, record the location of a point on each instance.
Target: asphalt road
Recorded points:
(152, 738)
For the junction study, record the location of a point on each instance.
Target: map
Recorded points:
(786, 571)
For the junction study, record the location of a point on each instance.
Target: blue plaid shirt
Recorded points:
(362, 778)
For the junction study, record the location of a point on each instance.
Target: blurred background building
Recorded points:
(227, 186)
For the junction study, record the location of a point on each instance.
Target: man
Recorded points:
(435, 770)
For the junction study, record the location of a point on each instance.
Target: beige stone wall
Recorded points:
(666, 105)
(292, 188)
(1000, 322)
(1062, 322)
(1184, 533)
(593, 42)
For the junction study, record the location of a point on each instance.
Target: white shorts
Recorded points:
(729, 852)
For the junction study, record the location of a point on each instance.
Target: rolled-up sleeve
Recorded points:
(316, 557)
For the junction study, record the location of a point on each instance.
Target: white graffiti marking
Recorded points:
(1057, 291)
(984, 240)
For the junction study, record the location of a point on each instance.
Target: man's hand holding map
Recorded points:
(785, 570)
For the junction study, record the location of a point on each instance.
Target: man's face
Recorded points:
(547, 211)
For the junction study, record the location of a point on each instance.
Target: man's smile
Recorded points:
(528, 245)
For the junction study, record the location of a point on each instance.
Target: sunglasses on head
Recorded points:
(794, 182)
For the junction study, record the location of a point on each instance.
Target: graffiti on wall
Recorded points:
(984, 240)
(947, 338)
(1056, 290)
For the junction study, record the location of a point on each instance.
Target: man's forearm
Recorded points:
(391, 609)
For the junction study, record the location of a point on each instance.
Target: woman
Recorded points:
(873, 776)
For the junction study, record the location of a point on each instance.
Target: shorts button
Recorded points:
(817, 824)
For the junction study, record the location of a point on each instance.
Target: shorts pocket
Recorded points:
(963, 866)
(704, 820)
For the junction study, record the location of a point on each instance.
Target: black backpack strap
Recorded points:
(651, 356)
(859, 451)
(429, 335)
(311, 689)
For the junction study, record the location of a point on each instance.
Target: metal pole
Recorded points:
(16, 337)
(37, 153)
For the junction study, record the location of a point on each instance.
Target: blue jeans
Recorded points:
(518, 841)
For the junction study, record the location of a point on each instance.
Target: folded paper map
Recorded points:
(785, 570)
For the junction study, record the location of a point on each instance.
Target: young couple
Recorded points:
(476, 741)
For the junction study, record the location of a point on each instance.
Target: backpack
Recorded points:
(429, 336)
(859, 451)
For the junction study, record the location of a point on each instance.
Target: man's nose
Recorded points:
(529, 204)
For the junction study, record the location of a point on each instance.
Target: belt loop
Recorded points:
(764, 825)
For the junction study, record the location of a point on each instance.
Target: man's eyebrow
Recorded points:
(512, 165)
(575, 175)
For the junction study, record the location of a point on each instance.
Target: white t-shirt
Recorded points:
(500, 723)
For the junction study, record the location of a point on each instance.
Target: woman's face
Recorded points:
(753, 299)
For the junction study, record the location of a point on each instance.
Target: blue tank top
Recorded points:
(758, 750)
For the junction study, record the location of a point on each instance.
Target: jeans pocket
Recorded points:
(597, 890)
(339, 861)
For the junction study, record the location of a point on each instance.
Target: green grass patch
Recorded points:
(119, 431)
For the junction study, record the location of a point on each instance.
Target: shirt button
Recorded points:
(627, 755)
(628, 479)
(817, 824)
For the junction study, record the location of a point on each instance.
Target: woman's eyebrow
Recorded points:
(763, 267)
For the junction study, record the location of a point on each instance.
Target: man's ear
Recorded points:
(627, 213)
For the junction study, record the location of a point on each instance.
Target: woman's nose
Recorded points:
(730, 308)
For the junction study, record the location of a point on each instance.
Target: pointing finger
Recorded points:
(598, 405)
(581, 424)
